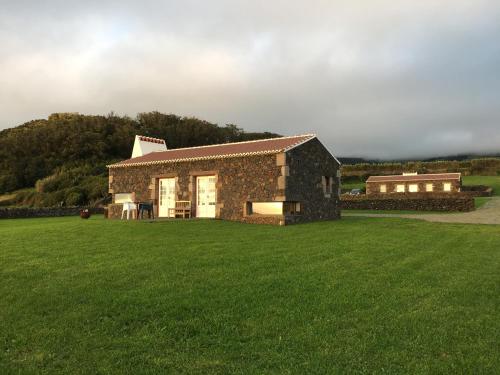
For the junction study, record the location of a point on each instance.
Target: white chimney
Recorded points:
(145, 145)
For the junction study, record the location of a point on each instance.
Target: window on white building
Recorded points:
(413, 188)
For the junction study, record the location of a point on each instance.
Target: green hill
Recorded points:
(64, 157)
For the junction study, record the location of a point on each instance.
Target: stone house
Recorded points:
(414, 183)
(275, 181)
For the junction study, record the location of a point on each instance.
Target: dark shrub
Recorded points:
(74, 197)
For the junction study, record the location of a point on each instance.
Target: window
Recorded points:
(327, 183)
(383, 188)
(291, 208)
(413, 188)
(429, 187)
(267, 208)
(400, 188)
(124, 197)
(447, 186)
(273, 208)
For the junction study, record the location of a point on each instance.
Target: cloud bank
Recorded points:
(376, 79)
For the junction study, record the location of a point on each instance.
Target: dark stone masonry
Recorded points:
(27, 212)
(306, 178)
(418, 202)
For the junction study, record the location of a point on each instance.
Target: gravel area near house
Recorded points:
(487, 214)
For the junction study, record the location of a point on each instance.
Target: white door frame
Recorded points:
(168, 194)
(206, 196)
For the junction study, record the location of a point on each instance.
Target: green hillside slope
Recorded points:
(65, 155)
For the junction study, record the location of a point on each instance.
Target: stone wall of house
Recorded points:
(239, 180)
(30, 212)
(313, 179)
(418, 202)
(438, 186)
(307, 174)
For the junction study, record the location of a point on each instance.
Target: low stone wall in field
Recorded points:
(27, 212)
(478, 190)
(434, 202)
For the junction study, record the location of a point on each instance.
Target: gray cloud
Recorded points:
(378, 79)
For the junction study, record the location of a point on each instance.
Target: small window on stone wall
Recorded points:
(265, 208)
(272, 208)
(291, 208)
(383, 188)
(327, 183)
(124, 197)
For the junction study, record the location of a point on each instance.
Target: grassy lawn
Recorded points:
(480, 201)
(354, 296)
(352, 185)
(492, 181)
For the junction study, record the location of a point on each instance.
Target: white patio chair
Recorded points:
(129, 206)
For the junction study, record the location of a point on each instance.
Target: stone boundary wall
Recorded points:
(435, 202)
(478, 190)
(30, 212)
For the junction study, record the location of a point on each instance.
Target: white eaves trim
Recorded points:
(156, 162)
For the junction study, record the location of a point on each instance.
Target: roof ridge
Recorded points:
(420, 174)
(241, 142)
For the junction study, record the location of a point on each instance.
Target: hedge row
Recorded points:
(485, 167)
(435, 202)
(478, 190)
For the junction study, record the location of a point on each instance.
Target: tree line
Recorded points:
(61, 150)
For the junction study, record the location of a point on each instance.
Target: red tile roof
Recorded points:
(225, 150)
(418, 177)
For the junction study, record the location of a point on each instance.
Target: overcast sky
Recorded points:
(383, 79)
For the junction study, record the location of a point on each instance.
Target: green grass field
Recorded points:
(353, 185)
(203, 297)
